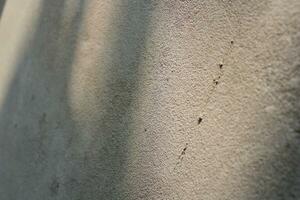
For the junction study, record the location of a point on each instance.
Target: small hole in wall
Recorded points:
(221, 66)
(231, 42)
(183, 151)
(216, 81)
(199, 120)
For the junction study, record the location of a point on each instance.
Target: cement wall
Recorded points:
(141, 99)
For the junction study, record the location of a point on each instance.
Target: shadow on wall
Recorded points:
(38, 136)
(2, 4)
(34, 122)
(278, 176)
(105, 157)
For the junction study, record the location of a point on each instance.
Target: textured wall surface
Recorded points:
(149, 99)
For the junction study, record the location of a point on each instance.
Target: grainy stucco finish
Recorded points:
(101, 99)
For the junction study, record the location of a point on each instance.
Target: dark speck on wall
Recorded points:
(54, 187)
(199, 120)
(216, 82)
(32, 97)
(42, 120)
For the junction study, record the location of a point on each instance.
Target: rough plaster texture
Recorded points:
(140, 99)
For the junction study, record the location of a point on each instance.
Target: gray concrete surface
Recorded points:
(138, 99)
